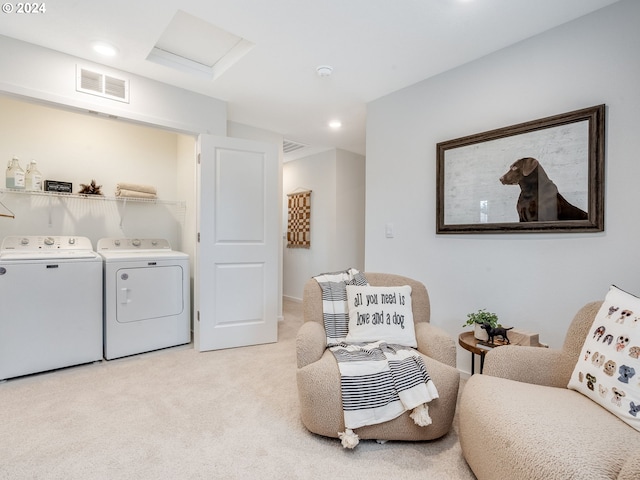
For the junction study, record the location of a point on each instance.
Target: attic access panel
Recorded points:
(193, 45)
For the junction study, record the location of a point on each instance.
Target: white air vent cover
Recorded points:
(101, 84)
(289, 146)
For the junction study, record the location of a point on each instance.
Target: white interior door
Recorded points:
(236, 280)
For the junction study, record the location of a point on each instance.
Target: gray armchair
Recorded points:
(319, 378)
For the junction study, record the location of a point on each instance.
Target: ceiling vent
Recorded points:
(289, 146)
(101, 84)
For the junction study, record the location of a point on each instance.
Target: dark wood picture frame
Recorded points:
(475, 195)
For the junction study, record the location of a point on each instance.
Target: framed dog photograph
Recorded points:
(546, 175)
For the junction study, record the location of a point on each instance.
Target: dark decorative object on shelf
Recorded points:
(91, 189)
(495, 331)
(58, 187)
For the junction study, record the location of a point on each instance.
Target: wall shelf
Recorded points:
(178, 207)
(91, 197)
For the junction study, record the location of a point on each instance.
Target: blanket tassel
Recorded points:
(349, 438)
(420, 415)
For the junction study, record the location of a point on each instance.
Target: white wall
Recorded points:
(149, 140)
(77, 148)
(533, 281)
(336, 178)
(186, 192)
(35, 72)
(350, 179)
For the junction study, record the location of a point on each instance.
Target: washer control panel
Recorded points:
(45, 243)
(132, 244)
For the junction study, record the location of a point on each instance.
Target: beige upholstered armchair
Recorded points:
(519, 420)
(319, 377)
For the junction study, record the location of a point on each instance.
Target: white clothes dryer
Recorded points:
(50, 304)
(146, 296)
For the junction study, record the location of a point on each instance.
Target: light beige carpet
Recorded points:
(180, 414)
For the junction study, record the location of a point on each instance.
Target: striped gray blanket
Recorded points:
(379, 381)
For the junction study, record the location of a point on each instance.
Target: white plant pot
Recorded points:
(480, 333)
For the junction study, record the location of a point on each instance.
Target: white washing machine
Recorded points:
(146, 296)
(50, 304)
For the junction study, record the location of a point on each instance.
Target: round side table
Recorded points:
(471, 343)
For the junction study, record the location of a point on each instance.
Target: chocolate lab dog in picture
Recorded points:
(539, 199)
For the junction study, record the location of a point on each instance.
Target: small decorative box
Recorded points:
(60, 187)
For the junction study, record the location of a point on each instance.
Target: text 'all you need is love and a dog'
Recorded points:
(380, 318)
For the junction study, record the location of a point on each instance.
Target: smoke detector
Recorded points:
(324, 70)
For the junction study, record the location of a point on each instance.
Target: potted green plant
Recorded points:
(477, 319)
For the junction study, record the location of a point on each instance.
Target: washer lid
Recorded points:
(46, 247)
(47, 255)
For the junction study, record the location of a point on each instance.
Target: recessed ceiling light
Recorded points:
(324, 70)
(105, 49)
(335, 124)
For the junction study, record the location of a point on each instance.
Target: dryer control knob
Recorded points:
(72, 241)
(49, 241)
(24, 241)
(135, 242)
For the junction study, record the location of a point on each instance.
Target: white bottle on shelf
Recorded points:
(33, 178)
(15, 174)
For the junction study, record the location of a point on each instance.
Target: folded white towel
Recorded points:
(134, 194)
(136, 187)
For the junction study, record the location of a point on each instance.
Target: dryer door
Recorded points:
(149, 292)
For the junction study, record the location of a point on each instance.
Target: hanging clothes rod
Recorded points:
(11, 214)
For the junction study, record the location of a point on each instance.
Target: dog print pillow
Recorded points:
(608, 369)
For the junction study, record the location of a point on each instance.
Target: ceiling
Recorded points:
(374, 46)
